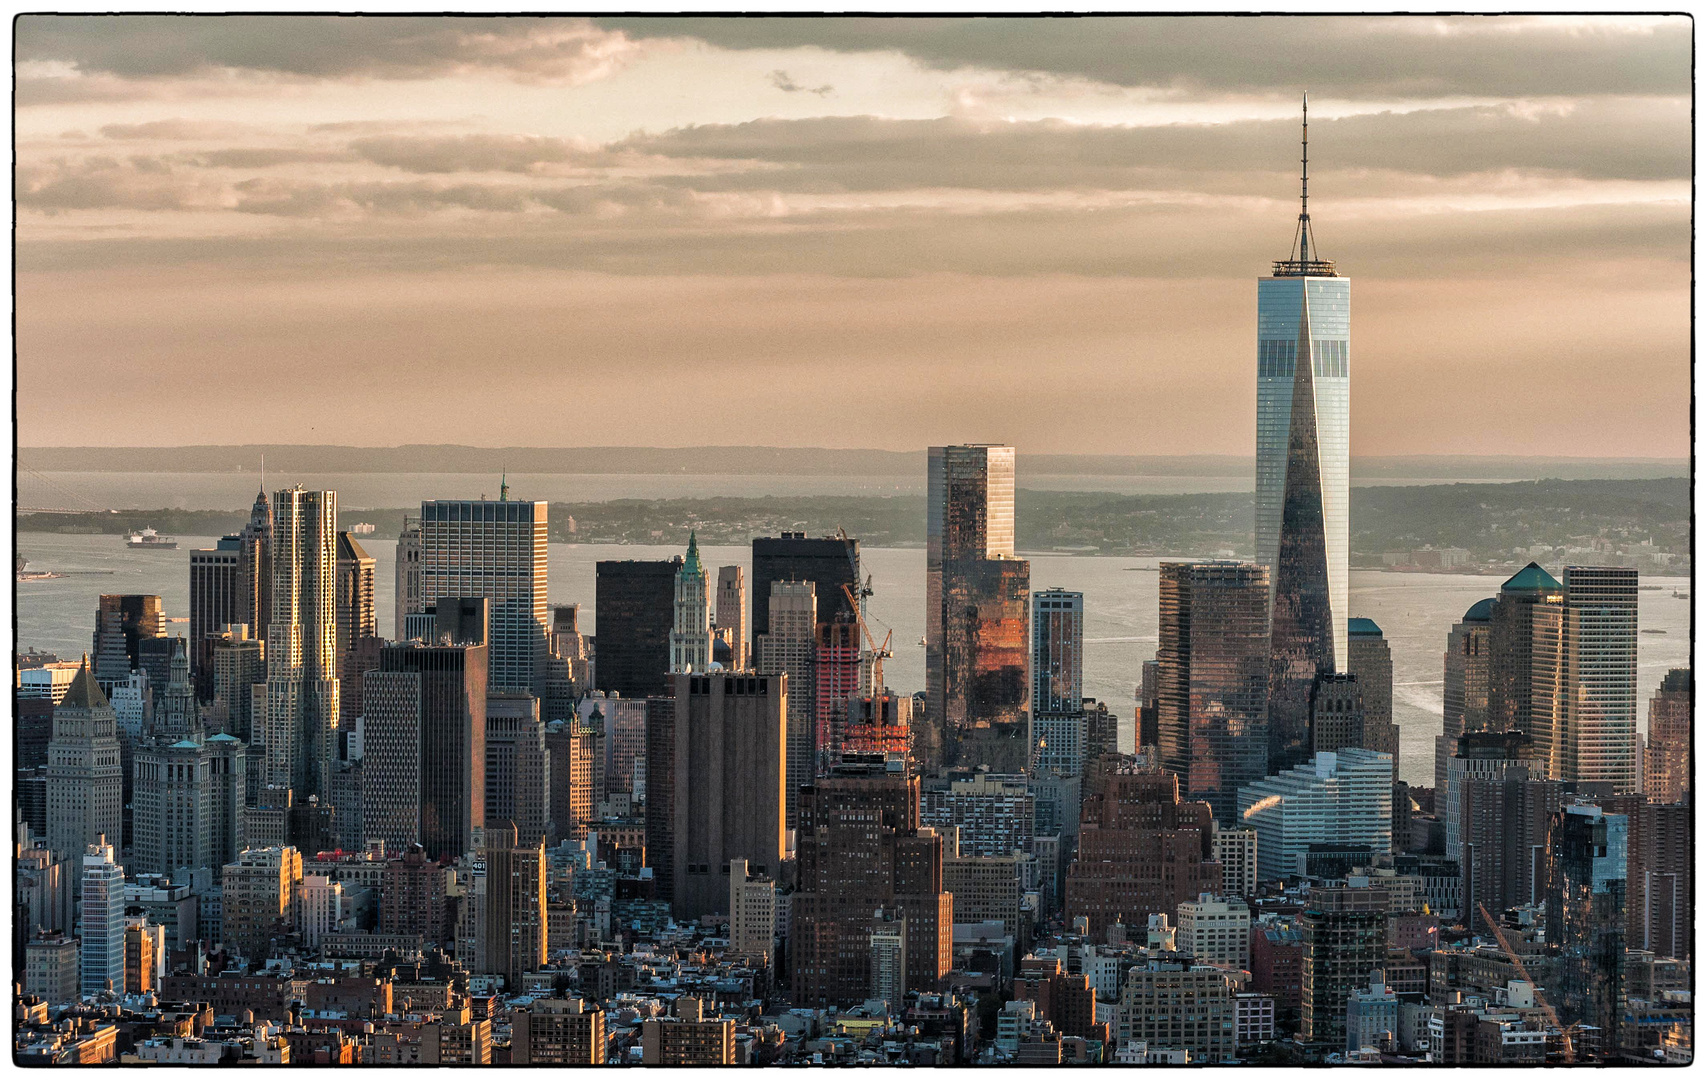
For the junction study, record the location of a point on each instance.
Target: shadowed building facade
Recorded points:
(1212, 679)
(861, 849)
(1468, 672)
(636, 610)
(727, 798)
(475, 547)
(976, 634)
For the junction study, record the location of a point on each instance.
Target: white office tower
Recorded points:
(787, 650)
(1338, 797)
(690, 636)
(85, 780)
(472, 548)
(1304, 309)
(101, 920)
(299, 735)
(1057, 680)
(1583, 679)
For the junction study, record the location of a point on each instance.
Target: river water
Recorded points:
(1414, 610)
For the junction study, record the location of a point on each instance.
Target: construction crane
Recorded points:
(1540, 998)
(879, 653)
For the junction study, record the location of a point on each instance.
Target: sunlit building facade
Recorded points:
(475, 547)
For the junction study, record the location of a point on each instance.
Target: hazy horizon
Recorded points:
(906, 232)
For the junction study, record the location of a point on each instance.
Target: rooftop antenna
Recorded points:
(1304, 196)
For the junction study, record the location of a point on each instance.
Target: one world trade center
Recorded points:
(1303, 477)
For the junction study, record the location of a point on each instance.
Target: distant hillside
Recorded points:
(1491, 521)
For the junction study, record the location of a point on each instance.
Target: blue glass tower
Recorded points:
(1303, 477)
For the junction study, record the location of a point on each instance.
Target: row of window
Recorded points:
(1276, 358)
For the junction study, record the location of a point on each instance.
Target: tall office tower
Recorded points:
(517, 766)
(1502, 842)
(1142, 850)
(1468, 673)
(1510, 641)
(1336, 713)
(237, 662)
(1343, 797)
(995, 814)
(636, 606)
(122, 623)
(828, 562)
(1236, 851)
(424, 752)
(862, 847)
(299, 730)
(1666, 775)
(976, 640)
(729, 774)
(258, 900)
(1212, 679)
(101, 919)
(1058, 680)
(85, 787)
(785, 648)
(406, 589)
(1479, 755)
(354, 613)
(690, 636)
(255, 568)
(1583, 685)
(1345, 937)
(1659, 875)
(1369, 658)
(732, 613)
(215, 600)
(1586, 893)
(412, 898)
(172, 801)
(1303, 477)
(1149, 718)
(495, 550)
(43, 886)
(511, 908)
(835, 678)
(661, 793)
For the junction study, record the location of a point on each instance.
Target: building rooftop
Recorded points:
(1362, 627)
(1483, 610)
(1530, 579)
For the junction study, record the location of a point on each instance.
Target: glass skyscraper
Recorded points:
(1303, 479)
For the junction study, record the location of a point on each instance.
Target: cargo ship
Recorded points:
(148, 538)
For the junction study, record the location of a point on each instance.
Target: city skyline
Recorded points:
(904, 200)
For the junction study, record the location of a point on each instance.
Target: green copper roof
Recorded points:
(1481, 611)
(1531, 579)
(691, 564)
(223, 737)
(84, 692)
(1364, 627)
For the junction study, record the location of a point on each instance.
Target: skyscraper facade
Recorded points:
(636, 611)
(835, 679)
(690, 635)
(1369, 658)
(729, 772)
(354, 613)
(85, 781)
(1343, 797)
(732, 613)
(101, 919)
(122, 623)
(1468, 667)
(785, 648)
(828, 562)
(495, 550)
(255, 568)
(862, 848)
(1665, 767)
(1057, 680)
(1212, 679)
(215, 600)
(1303, 479)
(517, 766)
(976, 638)
(1510, 639)
(299, 733)
(1583, 678)
(1586, 916)
(406, 571)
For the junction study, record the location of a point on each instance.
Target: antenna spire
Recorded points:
(1304, 194)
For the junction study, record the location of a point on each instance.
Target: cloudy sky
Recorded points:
(870, 232)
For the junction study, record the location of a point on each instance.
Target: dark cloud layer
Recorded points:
(1340, 55)
(312, 46)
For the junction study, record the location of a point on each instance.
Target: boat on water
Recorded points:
(19, 562)
(148, 538)
(1680, 596)
(1651, 630)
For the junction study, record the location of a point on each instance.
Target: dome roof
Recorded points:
(1481, 610)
